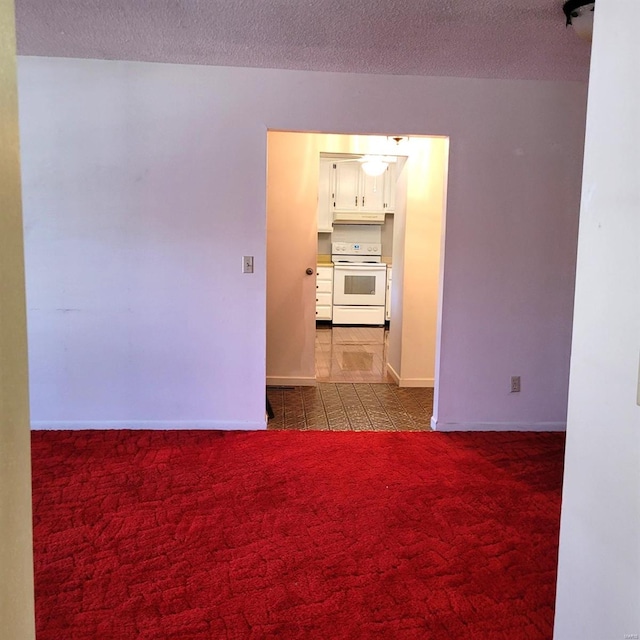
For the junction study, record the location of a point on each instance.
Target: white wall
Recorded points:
(416, 275)
(144, 184)
(599, 567)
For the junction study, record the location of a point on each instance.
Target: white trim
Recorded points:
(155, 425)
(393, 373)
(417, 382)
(276, 381)
(409, 382)
(437, 425)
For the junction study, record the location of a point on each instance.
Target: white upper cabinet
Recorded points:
(343, 186)
(325, 199)
(354, 190)
(390, 178)
(373, 192)
(347, 185)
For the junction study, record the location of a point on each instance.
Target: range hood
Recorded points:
(358, 217)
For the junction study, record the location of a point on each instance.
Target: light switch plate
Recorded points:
(247, 264)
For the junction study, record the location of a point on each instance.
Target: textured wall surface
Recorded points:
(463, 38)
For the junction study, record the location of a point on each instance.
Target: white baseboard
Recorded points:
(393, 373)
(409, 382)
(274, 381)
(417, 382)
(438, 425)
(155, 425)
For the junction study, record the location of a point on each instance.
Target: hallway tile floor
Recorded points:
(351, 407)
(354, 390)
(351, 354)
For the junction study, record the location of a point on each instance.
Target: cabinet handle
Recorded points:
(356, 201)
(363, 201)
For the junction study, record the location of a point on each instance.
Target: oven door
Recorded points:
(359, 284)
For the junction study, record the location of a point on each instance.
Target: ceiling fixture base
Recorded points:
(579, 15)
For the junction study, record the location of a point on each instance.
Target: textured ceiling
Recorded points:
(524, 39)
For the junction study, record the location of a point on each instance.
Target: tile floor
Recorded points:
(351, 354)
(354, 390)
(345, 406)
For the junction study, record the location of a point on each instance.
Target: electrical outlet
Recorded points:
(515, 384)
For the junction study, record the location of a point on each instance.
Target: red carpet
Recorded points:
(153, 535)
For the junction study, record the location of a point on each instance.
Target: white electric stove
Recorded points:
(359, 283)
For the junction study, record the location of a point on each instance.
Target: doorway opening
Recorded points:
(398, 352)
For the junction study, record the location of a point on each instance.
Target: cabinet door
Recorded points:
(390, 177)
(347, 183)
(324, 293)
(372, 192)
(325, 209)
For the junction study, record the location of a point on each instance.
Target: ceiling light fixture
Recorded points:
(580, 16)
(374, 165)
